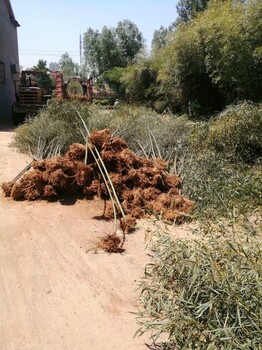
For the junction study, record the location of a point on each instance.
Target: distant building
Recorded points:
(54, 67)
(9, 60)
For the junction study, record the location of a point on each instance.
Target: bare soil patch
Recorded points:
(54, 292)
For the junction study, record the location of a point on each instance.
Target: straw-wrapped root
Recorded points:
(83, 175)
(49, 191)
(111, 243)
(141, 185)
(126, 160)
(30, 186)
(17, 192)
(127, 223)
(76, 152)
(7, 188)
(171, 208)
(99, 138)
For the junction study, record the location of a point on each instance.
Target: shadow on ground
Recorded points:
(6, 125)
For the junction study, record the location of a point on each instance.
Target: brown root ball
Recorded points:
(137, 213)
(111, 243)
(76, 151)
(17, 192)
(139, 183)
(118, 144)
(151, 193)
(160, 164)
(127, 159)
(58, 179)
(99, 138)
(40, 165)
(32, 193)
(49, 191)
(127, 223)
(172, 181)
(83, 175)
(7, 188)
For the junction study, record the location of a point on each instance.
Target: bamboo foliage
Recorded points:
(205, 294)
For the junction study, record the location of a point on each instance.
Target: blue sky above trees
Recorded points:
(50, 28)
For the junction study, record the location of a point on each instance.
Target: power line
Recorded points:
(80, 48)
(55, 51)
(34, 54)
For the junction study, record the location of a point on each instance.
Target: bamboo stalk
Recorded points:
(22, 172)
(105, 175)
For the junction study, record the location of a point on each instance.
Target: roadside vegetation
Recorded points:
(195, 102)
(219, 161)
(204, 293)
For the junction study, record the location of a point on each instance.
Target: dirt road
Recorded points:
(54, 292)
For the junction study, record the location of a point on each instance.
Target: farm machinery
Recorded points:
(33, 93)
(36, 88)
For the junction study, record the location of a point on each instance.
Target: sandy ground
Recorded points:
(54, 292)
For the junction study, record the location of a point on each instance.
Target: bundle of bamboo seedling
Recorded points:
(131, 186)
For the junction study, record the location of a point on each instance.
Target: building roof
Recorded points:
(11, 13)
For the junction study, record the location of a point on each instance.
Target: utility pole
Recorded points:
(80, 49)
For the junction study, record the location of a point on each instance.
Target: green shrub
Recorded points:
(74, 87)
(152, 134)
(212, 60)
(55, 126)
(204, 294)
(145, 131)
(237, 133)
(208, 177)
(105, 102)
(217, 186)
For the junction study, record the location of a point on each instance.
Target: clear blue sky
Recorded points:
(51, 27)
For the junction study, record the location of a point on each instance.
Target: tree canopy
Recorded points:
(41, 66)
(68, 67)
(187, 9)
(210, 57)
(216, 58)
(112, 47)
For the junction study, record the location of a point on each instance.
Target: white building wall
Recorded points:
(8, 56)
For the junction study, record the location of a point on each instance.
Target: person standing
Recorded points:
(84, 88)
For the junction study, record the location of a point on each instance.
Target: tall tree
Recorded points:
(67, 66)
(159, 38)
(130, 40)
(45, 79)
(41, 66)
(187, 9)
(139, 80)
(112, 47)
(216, 59)
(91, 51)
(110, 56)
